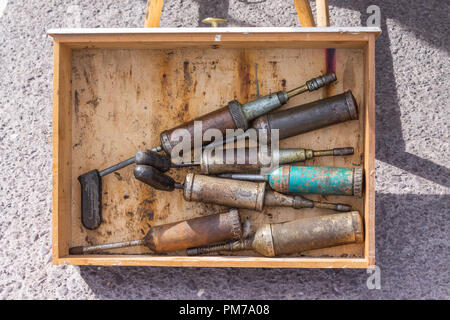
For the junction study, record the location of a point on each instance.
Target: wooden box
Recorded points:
(116, 89)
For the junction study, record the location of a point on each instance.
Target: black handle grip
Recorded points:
(91, 202)
(151, 158)
(154, 178)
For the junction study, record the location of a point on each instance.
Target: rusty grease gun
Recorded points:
(228, 192)
(276, 239)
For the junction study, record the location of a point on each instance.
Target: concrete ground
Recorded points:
(412, 177)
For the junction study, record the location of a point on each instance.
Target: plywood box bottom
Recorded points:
(115, 90)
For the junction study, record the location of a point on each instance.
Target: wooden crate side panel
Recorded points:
(62, 160)
(369, 151)
(233, 40)
(236, 261)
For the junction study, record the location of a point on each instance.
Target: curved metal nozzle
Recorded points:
(333, 206)
(243, 176)
(334, 152)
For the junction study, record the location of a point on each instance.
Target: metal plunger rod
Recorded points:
(299, 154)
(276, 199)
(332, 206)
(333, 152)
(243, 176)
(297, 91)
(108, 246)
(123, 164)
(238, 245)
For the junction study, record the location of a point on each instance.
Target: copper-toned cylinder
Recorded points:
(226, 192)
(194, 232)
(310, 116)
(314, 233)
(221, 119)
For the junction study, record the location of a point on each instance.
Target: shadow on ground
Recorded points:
(412, 257)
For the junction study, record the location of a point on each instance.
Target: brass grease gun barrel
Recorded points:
(181, 235)
(253, 159)
(276, 239)
(245, 194)
(228, 192)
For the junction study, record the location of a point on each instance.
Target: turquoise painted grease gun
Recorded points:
(309, 180)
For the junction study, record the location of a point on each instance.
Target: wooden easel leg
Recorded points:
(304, 13)
(323, 13)
(153, 13)
(323, 20)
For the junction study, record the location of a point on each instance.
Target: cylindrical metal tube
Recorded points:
(108, 246)
(317, 180)
(237, 115)
(258, 107)
(253, 159)
(180, 235)
(226, 192)
(314, 233)
(194, 232)
(241, 160)
(233, 116)
(311, 116)
(221, 119)
(275, 239)
(276, 199)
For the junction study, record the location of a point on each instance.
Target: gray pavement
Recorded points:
(412, 167)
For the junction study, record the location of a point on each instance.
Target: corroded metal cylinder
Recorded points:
(309, 234)
(254, 159)
(317, 180)
(221, 119)
(241, 160)
(180, 235)
(194, 232)
(276, 239)
(310, 116)
(246, 194)
(226, 192)
(234, 116)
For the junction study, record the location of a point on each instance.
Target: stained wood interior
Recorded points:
(123, 98)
